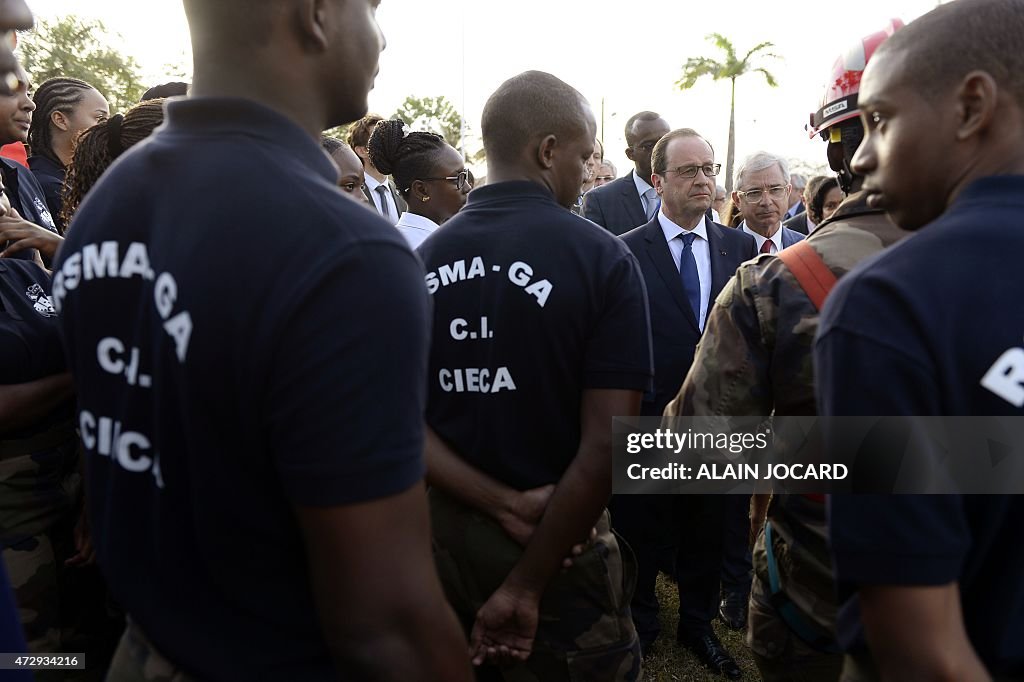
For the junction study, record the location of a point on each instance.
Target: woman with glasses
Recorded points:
(430, 174)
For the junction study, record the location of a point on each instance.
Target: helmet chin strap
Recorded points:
(849, 135)
(846, 178)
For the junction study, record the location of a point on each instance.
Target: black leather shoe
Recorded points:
(711, 652)
(733, 610)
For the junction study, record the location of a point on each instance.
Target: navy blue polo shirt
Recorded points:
(245, 339)
(935, 326)
(30, 343)
(30, 346)
(27, 198)
(532, 306)
(50, 175)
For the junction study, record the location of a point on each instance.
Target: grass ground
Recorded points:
(671, 663)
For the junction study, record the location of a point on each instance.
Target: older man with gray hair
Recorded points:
(606, 172)
(762, 195)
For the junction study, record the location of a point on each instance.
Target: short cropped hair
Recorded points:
(528, 107)
(947, 43)
(759, 161)
(659, 157)
(230, 24)
(640, 116)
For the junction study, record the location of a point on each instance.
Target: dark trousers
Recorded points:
(685, 536)
(645, 522)
(736, 559)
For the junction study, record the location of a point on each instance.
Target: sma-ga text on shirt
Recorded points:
(103, 435)
(482, 379)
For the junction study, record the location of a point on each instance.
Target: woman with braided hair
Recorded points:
(64, 108)
(430, 174)
(99, 146)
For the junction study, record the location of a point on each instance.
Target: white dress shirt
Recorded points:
(415, 228)
(371, 185)
(776, 238)
(643, 188)
(811, 227)
(701, 254)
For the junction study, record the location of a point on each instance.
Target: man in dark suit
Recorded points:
(801, 222)
(798, 223)
(623, 204)
(762, 194)
(377, 189)
(799, 202)
(686, 259)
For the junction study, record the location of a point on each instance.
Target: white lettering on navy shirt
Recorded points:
(1005, 378)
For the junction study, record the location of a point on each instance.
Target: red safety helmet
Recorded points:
(839, 102)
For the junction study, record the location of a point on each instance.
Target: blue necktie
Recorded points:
(688, 273)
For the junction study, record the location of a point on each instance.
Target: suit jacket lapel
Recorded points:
(633, 203)
(657, 249)
(720, 273)
(400, 205)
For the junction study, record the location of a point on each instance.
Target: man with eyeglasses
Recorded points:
(686, 259)
(605, 173)
(762, 195)
(623, 204)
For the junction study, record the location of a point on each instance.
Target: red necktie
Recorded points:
(767, 246)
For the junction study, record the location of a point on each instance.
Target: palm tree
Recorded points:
(731, 68)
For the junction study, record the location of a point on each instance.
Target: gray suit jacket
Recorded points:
(790, 237)
(617, 207)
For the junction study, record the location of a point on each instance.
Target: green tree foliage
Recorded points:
(338, 133)
(79, 48)
(730, 67)
(434, 114)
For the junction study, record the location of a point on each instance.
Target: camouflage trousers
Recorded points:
(137, 660)
(780, 655)
(62, 609)
(585, 629)
(38, 493)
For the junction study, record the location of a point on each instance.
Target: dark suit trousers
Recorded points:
(687, 536)
(701, 544)
(736, 558)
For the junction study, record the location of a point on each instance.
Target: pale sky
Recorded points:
(627, 53)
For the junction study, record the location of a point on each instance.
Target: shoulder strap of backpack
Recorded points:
(811, 273)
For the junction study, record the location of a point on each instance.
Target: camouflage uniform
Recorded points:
(755, 358)
(582, 609)
(39, 492)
